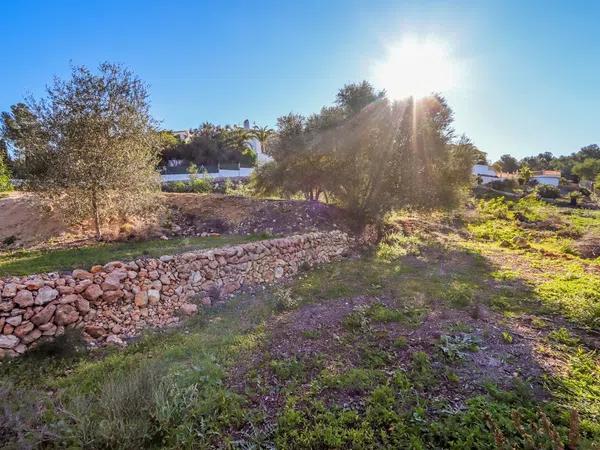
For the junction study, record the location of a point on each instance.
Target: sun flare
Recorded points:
(416, 67)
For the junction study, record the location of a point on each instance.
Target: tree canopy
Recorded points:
(370, 155)
(89, 147)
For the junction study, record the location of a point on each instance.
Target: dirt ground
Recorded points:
(25, 225)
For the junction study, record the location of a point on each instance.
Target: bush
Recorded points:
(201, 185)
(5, 184)
(508, 185)
(547, 191)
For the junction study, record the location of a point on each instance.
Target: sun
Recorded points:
(416, 67)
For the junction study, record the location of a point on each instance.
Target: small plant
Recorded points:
(454, 347)
(563, 336)
(401, 342)
(284, 300)
(288, 369)
(507, 337)
(358, 319)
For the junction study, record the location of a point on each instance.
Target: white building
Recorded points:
(485, 172)
(489, 174)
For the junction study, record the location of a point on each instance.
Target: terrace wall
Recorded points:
(115, 301)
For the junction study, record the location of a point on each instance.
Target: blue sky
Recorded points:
(531, 70)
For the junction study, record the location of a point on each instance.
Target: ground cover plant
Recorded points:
(455, 341)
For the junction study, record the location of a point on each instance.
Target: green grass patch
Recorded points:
(28, 262)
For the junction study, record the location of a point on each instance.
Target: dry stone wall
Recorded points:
(115, 301)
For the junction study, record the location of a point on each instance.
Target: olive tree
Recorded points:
(90, 146)
(371, 155)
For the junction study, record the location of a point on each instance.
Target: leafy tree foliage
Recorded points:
(525, 174)
(214, 144)
(508, 163)
(587, 169)
(90, 146)
(262, 134)
(371, 155)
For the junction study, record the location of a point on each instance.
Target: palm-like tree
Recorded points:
(262, 134)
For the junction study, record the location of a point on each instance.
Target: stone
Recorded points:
(31, 337)
(206, 301)
(92, 292)
(80, 274)
(153, 297)
(65, 290)
(65, 315)
(96, 269)
(44, 315)
(45, 295)
(189, 309)
(141, 299)
(23, 329)
(47, 326)
(6, 306)
(8, 329)
(111, 283)
(50, 329)
(82, 305)
(82, 286)
(34, 284)
(68, 299)
(24, 298)
(10, 290)
(15, 321)
(114, 340)
(116, 329)
(20, 349)
(112, 296)
(95, 331)
(278, 272)
(8, 341)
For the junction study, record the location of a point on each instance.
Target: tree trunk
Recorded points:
(96, 214)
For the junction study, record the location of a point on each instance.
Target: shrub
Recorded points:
(547, 191)
(508, 185)
(284, 300)
(201, 185)
(5, 184)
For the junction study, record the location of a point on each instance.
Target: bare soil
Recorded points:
(25, 225)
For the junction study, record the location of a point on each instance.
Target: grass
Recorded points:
(233, 378)
(28, 262)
